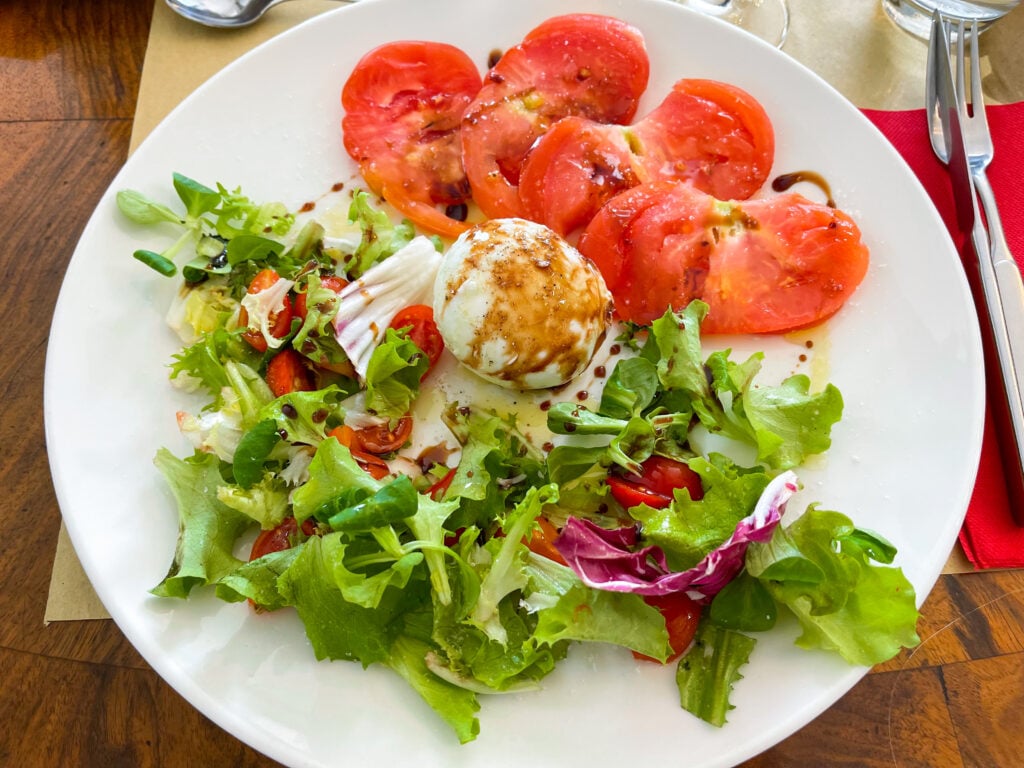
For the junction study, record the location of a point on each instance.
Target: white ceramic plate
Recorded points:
(904, 352)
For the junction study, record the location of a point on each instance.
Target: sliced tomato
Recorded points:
(629, 494)
(280, 322)
(332, 282)
(763, 266)
(792, 264)
(714, 135)
(573, 170)
(656, 483)
(653, 246)
(418, 320)
(710, 134)
(578, 64)
(682, 616)
(384, 438)
(403, 105)
(610, 71)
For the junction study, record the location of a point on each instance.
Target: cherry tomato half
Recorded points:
(542, 541)
(422, 330)
(682, 615)
(286, 373)
(280, 322)
(373, 465)
(656, 484)
(384, 438)
(333, 282)
(280, 538)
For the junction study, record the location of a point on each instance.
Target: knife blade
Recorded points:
(1005, 385)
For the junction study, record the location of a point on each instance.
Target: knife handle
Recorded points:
(1003, 337)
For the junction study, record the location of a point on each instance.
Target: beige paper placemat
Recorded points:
(852, 45)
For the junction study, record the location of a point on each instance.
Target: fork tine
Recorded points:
(961, 85)
(977, 99)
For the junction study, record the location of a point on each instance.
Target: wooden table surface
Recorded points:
(77, 694)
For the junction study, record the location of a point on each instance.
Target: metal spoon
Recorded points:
(224, 13)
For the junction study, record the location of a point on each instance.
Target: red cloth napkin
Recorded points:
(989, 536)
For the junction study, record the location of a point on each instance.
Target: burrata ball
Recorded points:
(518, 305)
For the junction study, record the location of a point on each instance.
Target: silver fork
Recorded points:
(960, 138)
(980, 149)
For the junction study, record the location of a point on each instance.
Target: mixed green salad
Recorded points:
(473, 571)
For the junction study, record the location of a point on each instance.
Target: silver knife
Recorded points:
(1005, 382)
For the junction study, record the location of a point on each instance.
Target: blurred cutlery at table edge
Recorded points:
(226, 14)
(962, 141)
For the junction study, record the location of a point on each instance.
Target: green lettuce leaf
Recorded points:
(338, 628)
(258, 580)
(506, 571)
(786, 423)
(265, 502)
(498, 465)
(687, 530)
(457, 706)
(820, 567)
(707, 672)
(393, 375)
(393, 502)
(204, 362)
(254, 448)
(429, 527)
(744, 604)
(567, 609)
(332, 473)
(207, 527)
(315, 338)
(789, 422)
(305, 417)
(467, 657)
(381, 236)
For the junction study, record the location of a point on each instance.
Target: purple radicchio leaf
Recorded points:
(605, 559)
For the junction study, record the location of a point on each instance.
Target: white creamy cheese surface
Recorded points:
(519, 306)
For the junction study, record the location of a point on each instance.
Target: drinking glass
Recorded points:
(767, 19)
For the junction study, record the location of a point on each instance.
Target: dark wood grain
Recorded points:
(71, 61)
(77, 694)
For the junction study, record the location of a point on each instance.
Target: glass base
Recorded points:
(766, 19)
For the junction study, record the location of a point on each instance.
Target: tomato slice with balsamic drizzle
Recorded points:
(287, 372)
(573, 170)
(578, 64)
(404, 103)
(712, 135)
